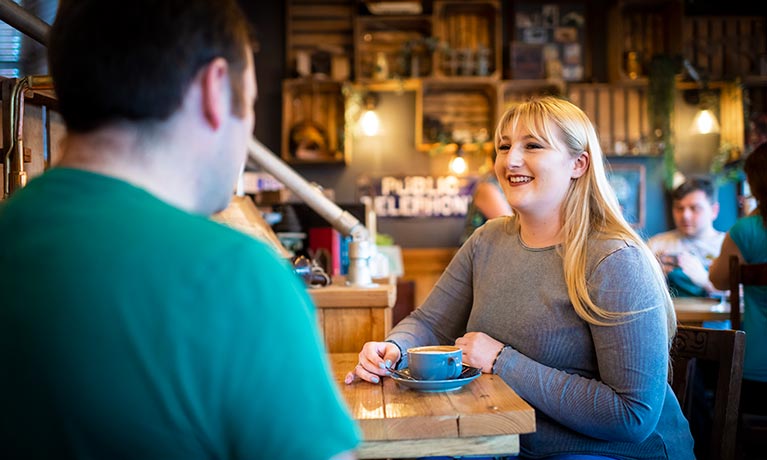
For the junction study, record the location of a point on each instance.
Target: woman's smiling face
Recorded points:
(535, 173)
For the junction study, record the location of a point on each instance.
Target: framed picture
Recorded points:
(527, 61)
(628, 182)
(554, 24)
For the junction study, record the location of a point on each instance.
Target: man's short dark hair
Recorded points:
(693, 184)
(133, 60)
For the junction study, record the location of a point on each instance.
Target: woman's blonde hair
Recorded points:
(590, 208)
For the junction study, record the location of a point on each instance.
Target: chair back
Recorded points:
(747, 275)
(725, 347)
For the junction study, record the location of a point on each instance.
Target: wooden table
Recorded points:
(485, 417)
(695, 310)
(350, 316)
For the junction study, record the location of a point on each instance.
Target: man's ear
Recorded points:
(215, 98)
(581, 165)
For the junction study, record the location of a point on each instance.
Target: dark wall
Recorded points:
(268, 19)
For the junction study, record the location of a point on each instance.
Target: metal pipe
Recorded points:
(14, 175)
(24, 21)
(343, 221)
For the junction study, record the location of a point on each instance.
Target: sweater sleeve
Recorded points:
(624, 401)
(442, 318)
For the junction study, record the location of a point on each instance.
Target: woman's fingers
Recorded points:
(360, 372)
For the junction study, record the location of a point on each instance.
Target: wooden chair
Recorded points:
(747, 275)
(725, 348)
(753, 428)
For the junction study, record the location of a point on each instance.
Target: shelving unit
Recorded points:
(437, 51)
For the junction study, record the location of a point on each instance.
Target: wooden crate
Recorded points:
(399, 38)
(619, 113)
(312, 109)
(318, 25)
(724, 48)
(646, 28)
(467, 27)
(457, 104)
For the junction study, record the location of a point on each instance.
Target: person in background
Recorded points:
(132, 325)
(563, 300)
(487, 202)
(687, 251)
(747, 239)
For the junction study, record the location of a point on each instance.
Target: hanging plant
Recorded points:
(662, 78)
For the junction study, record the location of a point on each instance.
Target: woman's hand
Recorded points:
(479, 350)
(373, 360)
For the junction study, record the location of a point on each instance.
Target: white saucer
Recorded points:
(467, 375)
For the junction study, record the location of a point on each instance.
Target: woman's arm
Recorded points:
(719, 272)
(623, 398)
(490, 201)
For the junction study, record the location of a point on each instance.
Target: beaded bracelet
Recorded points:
(492, 367)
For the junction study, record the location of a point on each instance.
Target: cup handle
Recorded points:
(457, 367)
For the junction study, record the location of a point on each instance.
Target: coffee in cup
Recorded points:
(435, 362)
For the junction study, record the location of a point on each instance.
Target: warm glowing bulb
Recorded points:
(370, 123)
(705, 122)
(458, 165)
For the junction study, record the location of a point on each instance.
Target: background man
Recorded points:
(687, 251)
(131, 325)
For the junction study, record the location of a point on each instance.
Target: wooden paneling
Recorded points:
(350, 316)
(723, 48)
(619, 113)
(424, 266)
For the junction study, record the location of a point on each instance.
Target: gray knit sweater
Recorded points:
(595, 389)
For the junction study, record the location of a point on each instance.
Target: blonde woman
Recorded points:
(563, 300)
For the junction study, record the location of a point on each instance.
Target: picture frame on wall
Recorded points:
(628, 182)
(551, 24)
(527, 61)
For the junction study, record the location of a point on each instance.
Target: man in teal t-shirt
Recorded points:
(132, 325)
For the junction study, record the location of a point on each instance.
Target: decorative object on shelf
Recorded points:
(308, 141)
(381, 71)
(416, 55)
(633, 65)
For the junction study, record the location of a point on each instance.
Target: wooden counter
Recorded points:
(350, 316)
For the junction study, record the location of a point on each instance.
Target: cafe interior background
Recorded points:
(437, 74)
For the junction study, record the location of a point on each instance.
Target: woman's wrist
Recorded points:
(498, 355)
(400, 352)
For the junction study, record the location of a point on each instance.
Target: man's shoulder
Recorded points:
(657, 241)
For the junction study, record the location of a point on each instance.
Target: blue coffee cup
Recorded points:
(435, 362)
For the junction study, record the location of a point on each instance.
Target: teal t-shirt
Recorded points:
(132, 329)
(750, 236)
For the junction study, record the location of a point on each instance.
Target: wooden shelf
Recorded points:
(472, 33)
(400, 40)
(458, 107)
(312, 121)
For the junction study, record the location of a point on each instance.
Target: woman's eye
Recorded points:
(533, 146)
(504, 147)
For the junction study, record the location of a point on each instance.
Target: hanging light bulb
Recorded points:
(458, 163)
(370, 123)
(705, 122)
